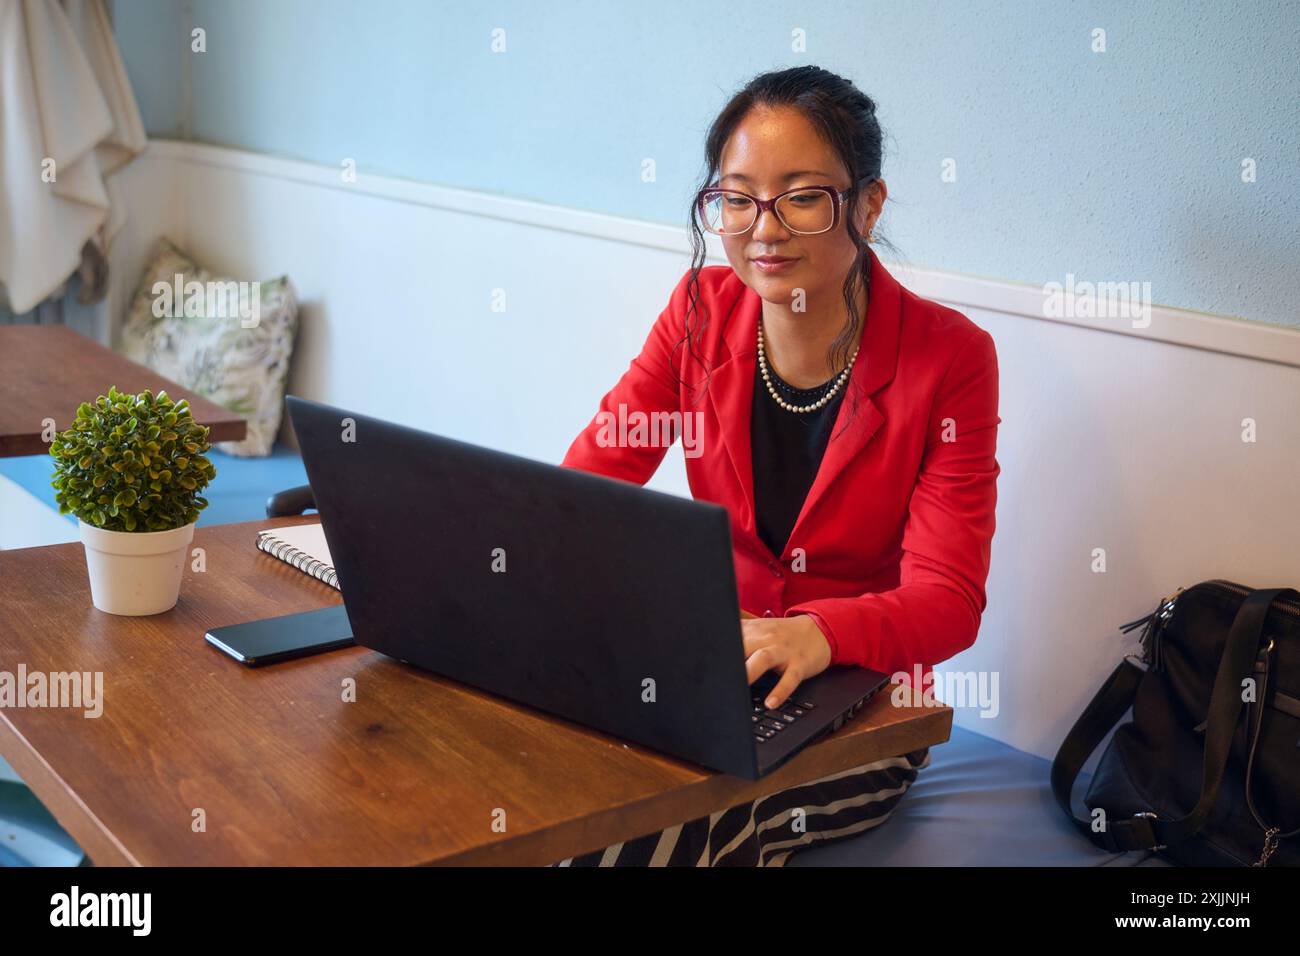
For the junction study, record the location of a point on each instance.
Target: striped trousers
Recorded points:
(767, 831)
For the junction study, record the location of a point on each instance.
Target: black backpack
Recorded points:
(1207, 772)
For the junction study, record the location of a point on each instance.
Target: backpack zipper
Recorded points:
(1153, 623)
(1240, 590)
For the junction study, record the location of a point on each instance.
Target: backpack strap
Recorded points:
(1102, 713)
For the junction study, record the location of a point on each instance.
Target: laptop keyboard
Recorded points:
(768, 724)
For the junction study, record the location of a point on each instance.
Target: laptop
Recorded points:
(587, 597)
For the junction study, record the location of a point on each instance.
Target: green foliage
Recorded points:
(132, 463)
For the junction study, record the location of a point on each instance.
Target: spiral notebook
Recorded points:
(304, 547)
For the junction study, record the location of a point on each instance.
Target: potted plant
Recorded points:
(131, 468)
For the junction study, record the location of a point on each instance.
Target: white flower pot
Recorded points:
(135, 573)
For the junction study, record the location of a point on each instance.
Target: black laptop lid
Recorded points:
(587, 597)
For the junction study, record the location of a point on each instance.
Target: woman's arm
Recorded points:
(648, 388)
(935, 611)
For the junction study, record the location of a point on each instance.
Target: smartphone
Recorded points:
(283, 638)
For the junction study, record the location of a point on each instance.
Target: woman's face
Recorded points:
(773, 150)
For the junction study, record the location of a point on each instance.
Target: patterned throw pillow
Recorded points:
(227, 340)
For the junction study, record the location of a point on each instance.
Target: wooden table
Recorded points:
(285, 772)
(47, 371)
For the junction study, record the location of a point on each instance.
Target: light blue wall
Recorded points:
(1123, 165)
(151, 35)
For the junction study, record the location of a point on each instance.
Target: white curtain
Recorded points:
(68, 122)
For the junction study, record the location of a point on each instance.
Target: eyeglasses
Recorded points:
(805, 211)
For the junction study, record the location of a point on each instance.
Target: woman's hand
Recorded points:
(795, 647)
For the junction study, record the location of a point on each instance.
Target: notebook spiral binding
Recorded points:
(299, 559)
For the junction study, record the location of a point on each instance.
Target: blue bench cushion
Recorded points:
(979, 803)
(29, 835)
(238, 493)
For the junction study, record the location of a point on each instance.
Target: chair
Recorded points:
(291, 501)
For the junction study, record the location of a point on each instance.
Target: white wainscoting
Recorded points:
(1112, 437)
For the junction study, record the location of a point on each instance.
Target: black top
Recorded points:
(787, 450)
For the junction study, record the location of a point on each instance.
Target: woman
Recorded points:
(848, 426)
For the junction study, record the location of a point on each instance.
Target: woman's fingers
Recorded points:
(774, 657)
(762, 660)
(783, 689)
(794, 647)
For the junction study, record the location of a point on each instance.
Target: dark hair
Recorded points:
(846, 118)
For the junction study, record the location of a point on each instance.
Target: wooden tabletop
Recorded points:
(47, 371)
(281, 770)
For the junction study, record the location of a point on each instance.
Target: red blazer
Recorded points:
(896, 528)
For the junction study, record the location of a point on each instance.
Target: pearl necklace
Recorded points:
(800, 409)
